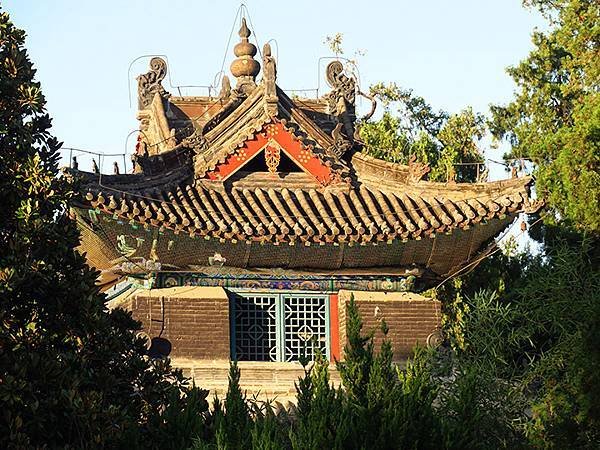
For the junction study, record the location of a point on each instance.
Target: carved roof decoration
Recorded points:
(245, 67)
(213, 129)
(150, 83)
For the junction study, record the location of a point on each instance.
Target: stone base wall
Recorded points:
(275, 381)
(411, 318)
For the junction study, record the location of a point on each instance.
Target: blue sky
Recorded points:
(453, 53)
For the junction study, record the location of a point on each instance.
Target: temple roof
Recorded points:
(255, 166)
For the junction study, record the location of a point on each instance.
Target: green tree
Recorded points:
(558, 311)
(233, 425)
(554, 119)
(321, 419)
(525, 358)
(448, 143)
(385, 407)
(72, 374)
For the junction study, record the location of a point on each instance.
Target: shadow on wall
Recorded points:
(159, 348)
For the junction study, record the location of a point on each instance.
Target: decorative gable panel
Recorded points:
(272, 140)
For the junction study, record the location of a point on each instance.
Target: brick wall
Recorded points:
(194, 319)
(411, 318)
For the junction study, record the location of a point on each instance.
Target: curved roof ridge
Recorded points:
(381, 173)
(131, 183)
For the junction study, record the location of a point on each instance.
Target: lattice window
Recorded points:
(305, 326)
(255, 327)
(280, 327)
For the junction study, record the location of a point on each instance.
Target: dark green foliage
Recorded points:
(180, 421)
(73, 375)
(239, 422)
(320, 416)
(385, 407)
(560, 302)
(497, 273)
(233, 427)
(479, 404)
(554, 119)
(358, 358)
(269, 431)
(527, 372)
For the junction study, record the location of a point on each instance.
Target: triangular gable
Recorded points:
(273, 138)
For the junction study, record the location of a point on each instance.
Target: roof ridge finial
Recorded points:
(244, 32)
(245, 67)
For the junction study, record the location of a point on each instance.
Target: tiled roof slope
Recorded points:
(365, 212)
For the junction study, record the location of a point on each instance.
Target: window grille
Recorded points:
(255, 327)
(305, 326)
(279, 327)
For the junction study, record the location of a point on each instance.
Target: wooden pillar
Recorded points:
(334, 328)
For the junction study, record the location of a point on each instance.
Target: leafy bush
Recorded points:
(527, 372)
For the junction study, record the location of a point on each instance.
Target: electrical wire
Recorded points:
(90, 152)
